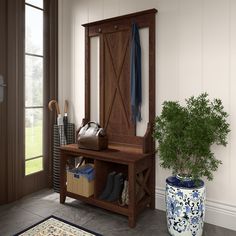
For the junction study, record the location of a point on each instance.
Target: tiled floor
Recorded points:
(33, 208)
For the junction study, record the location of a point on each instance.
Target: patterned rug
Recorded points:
(54, 226)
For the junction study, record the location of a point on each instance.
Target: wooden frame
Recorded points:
(129, 154)
(39, 180)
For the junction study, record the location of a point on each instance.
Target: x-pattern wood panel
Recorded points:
(143, 183)
(117, 71)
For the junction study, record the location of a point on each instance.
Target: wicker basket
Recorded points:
(80, 186)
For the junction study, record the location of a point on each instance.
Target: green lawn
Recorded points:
(33, 141)
(33, 166)
(33, 148)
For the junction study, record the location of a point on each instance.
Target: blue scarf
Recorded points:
(135, 75)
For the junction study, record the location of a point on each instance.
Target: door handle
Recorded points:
(2, 86)
(2, 82)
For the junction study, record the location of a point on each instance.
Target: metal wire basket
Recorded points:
(59, 139)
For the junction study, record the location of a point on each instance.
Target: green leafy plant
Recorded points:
(186, 134)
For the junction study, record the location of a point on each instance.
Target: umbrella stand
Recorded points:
(59, 140)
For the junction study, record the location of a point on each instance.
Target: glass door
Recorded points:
(28, 74)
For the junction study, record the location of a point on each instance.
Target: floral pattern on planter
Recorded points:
(185, 209)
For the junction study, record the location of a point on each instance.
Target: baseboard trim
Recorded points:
(217, 213)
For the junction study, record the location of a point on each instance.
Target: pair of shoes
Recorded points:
(113, 187)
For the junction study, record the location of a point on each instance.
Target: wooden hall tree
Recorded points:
(127, 153)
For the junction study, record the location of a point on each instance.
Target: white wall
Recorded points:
(196, 51)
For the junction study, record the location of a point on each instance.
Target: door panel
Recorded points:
(13, 181)
(3, 111)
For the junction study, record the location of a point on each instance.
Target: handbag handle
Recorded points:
(95, 123)
(87, 126)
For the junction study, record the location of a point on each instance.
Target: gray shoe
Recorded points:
(117, 188)
(109, 186)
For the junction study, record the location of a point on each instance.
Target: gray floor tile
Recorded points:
(29, 210)
(17, 220)
(73, 214)
(212, 230)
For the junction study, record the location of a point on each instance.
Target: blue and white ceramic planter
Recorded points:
(185, 207)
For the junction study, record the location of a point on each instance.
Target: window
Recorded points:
(34, 81)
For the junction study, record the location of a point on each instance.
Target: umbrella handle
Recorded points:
(51, 103)
(66, 107)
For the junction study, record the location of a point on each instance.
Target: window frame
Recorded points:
(44, 74)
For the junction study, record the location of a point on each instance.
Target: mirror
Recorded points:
(94, 79)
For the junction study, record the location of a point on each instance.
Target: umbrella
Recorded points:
(65, 118)
(59, 120)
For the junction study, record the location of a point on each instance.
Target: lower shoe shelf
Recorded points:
(131, 165)
(111, 206)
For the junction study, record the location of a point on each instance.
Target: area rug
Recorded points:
(54, 226)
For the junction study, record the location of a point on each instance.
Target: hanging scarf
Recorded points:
(135, 75)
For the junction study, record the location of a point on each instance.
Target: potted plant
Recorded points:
(185, 135)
